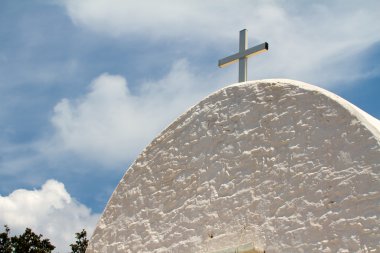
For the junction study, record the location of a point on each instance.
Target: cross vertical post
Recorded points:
(243, 54)
(243, 43)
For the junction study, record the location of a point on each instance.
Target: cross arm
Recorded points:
(250, 51)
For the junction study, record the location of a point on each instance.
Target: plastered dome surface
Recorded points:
(274, 165)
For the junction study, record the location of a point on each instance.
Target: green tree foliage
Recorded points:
(81, 243)
(28, 242)
(5, 241)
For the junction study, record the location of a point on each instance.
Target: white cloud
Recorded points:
(308, 41)
(315, 43)
(111, 125)
(49, 211)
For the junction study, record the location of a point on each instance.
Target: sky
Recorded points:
(85, 85)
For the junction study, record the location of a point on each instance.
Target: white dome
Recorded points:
(274, 165)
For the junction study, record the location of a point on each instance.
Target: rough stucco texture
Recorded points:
(280, 164)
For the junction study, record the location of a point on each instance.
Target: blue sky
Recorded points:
(85, 85)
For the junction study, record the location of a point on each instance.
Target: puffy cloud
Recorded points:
(308, 41)
(314, 42)
(49, 211)
(151, 18)
(111, 125)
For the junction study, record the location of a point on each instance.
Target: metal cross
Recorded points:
(243, 55)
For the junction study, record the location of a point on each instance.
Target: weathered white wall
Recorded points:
(280, 164)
